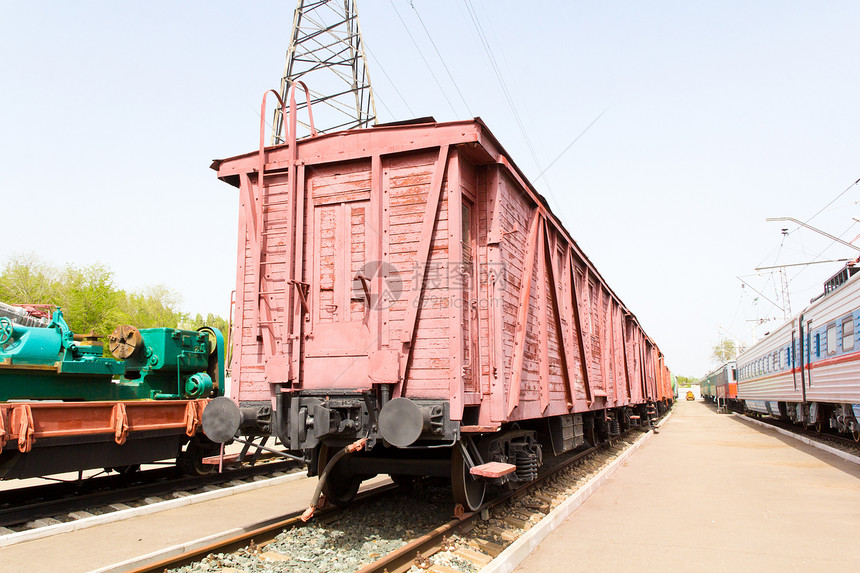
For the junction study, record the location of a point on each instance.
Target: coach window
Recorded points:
(848, 333)
(817, 344)
(831, 339)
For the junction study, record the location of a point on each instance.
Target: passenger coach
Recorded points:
(808, 370)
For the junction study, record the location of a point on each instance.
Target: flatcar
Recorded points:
(407, 304)
(64, 407)
(808, 370)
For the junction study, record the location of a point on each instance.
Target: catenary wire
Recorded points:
(494, 65)
(420, 53)
(390, 81)
(441, 59)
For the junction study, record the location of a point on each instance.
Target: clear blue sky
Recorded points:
(717, 115)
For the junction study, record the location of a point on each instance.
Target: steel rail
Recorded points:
(402, 559)
(260, 534)
(397, 561)
(65, 497)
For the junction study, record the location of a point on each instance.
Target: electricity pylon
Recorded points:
(327, 54)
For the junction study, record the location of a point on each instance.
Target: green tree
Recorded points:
(151, 308)
(90, 299)
(725, 350)
(212, 320)
(27, 280)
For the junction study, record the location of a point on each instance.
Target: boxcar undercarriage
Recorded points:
(409, 439)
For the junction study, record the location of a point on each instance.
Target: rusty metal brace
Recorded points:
(119, 423)
(26, 428)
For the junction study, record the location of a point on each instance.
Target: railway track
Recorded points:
(44, 505)
(382, 531)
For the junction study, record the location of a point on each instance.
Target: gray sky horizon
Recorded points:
(712, 116)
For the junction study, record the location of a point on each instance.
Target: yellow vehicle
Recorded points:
(690, 395)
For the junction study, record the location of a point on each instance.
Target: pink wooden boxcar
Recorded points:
(405, 284)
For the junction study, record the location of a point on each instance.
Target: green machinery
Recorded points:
(52, 363)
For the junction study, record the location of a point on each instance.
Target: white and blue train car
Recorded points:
(808, 370)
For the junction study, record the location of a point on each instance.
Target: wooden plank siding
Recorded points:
(430, 264)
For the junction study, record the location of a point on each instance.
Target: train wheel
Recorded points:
(190, 461)
(855, 433)
(340, 486)
(467, 491)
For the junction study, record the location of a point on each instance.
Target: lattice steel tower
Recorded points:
(327, 54)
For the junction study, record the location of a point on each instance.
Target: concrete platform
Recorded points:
(101, 546)
(714, 493)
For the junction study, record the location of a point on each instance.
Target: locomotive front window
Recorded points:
(831, 339)
(848, 333)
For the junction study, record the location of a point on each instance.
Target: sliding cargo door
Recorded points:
(338, 340)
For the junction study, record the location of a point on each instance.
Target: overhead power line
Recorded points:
(441, 59)
(571, 144)
(499, 77)
(833, 201)
(423, 59)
